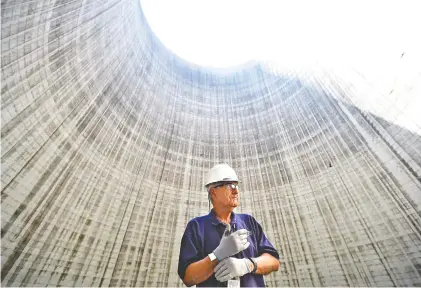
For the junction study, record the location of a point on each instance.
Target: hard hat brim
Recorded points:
(223, 181)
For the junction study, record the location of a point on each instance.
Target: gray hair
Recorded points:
(208, 187)
(208, 190)
(211, 185)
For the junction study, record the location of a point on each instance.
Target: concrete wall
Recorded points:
(106, 137)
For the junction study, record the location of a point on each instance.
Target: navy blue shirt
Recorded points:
(203, 234)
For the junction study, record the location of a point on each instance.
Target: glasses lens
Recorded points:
(234, 186)
(231, 186)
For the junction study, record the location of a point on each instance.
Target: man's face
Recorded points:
(226, 195)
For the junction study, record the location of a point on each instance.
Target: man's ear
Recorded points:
(211, 192)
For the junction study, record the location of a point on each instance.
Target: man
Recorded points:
(212, 256)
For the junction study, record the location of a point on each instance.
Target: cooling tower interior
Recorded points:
(107, 135)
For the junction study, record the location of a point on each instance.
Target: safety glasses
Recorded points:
(232, 186)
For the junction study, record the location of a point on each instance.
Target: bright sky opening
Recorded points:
(369, 35)
(226, 33)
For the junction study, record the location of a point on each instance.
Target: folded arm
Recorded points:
(266, 264)
(199, 271)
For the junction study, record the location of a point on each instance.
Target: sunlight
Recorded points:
(370, 36)
(225, 33)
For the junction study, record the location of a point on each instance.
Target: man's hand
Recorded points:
(232, 267)
(232, 244)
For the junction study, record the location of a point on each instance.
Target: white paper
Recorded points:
(234, 283)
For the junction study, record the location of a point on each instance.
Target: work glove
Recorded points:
(232, 267)
(231, 244)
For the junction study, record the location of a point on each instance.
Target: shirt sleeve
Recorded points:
(189, 249)
(264, 245)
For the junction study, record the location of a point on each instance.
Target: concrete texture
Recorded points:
(106, 137)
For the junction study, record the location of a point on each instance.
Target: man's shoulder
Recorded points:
(199, 219)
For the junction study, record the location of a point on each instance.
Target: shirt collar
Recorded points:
(216, 221)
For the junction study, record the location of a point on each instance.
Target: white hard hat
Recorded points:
(221, 173)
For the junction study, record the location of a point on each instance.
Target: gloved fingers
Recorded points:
(241, 232)
(244, 242)
(225, 278)
(219, 266)
(222, 272)
(221, 275)
(246, 245)
(243, 236)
